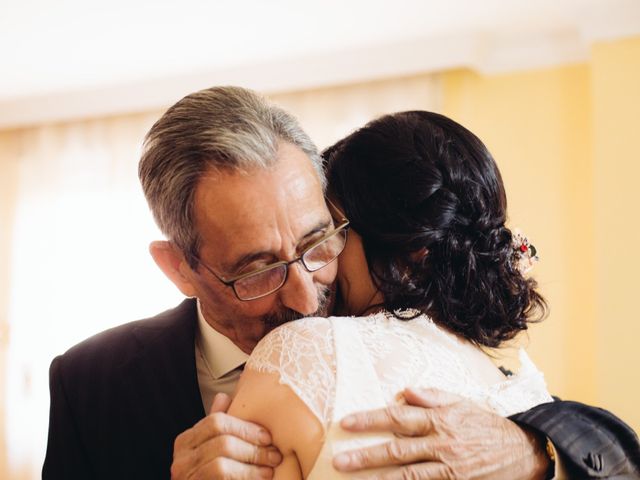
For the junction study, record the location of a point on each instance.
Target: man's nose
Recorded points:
(299, 293)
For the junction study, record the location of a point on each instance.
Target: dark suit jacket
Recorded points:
(119, 399)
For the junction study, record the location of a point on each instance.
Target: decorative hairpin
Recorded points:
(524, 255)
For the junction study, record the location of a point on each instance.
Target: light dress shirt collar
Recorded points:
(220, 354)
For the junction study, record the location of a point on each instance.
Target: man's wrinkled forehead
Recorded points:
(262, 206)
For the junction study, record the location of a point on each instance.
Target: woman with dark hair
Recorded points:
(429, 274)
(427, 199)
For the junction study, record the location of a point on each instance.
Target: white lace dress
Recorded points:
(341, 365)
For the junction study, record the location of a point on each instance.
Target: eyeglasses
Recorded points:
(264, 281)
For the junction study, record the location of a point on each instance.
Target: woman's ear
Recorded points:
(171, 261)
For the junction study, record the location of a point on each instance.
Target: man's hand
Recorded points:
(222, 446)
(443, 436)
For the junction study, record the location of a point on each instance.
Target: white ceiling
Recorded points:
(68, 58)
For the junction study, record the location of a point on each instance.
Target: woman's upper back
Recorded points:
(374, 358)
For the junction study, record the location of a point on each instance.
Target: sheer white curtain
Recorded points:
(78, 260)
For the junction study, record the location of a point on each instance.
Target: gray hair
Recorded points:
(219, 128)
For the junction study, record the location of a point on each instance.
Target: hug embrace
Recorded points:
(337, 314)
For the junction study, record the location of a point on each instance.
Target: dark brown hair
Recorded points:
(428, 199)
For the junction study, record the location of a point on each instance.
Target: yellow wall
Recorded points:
(615, 90)
(564, 140)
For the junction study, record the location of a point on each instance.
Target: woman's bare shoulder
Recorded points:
(298, 434)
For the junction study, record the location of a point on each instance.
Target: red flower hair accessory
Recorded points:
(524, 255)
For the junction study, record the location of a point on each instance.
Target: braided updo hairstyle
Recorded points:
(428, 200)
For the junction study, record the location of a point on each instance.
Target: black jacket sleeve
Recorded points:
(65, 457)
(593, 443)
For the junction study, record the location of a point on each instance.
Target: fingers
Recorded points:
(226, 468)
(220, 403)
(422, 471)
(221, 446)
(402, 420)
(398, 452)
(220, 423)
(239, 450)
(459, 440)
(429, 397)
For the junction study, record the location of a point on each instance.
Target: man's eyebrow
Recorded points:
(245, 259)
(249, 257)
(321, 226)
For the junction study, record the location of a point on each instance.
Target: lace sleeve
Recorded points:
(302, 354)
(519, 392)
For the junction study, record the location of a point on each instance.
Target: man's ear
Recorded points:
(172, 263)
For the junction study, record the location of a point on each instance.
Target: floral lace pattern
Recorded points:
(378, 356)
(302, 354)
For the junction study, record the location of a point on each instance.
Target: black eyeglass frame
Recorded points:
(344, 226)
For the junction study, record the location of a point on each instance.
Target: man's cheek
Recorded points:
(327, 275)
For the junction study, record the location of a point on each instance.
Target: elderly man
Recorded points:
(236, 185)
